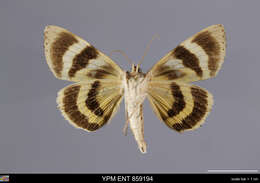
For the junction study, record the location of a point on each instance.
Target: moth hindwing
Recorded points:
(89, 105)
(181, 106)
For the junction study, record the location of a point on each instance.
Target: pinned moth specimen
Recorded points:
(101, 84)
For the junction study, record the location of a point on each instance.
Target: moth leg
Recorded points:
(126, 123)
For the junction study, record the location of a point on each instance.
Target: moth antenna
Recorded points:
(148, 47)
(122, 53)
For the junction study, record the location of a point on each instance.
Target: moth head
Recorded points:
(135, 73)
(136, 69)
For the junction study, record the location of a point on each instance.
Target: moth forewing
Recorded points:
(72, 58)
(197, 58)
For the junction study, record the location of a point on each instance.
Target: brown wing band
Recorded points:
(188, 59)
(198, 112)
(81, 60)
(72, 111)
(179, 102)
(92, 102)
(58, 49)
(211, 47)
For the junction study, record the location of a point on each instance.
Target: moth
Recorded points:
(101, 84)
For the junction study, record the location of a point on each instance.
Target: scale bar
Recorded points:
(233, 171)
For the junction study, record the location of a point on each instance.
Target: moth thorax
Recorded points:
(136, 85)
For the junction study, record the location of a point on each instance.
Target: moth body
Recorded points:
(135, 86)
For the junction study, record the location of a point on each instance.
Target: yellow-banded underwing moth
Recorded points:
(101, 84)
